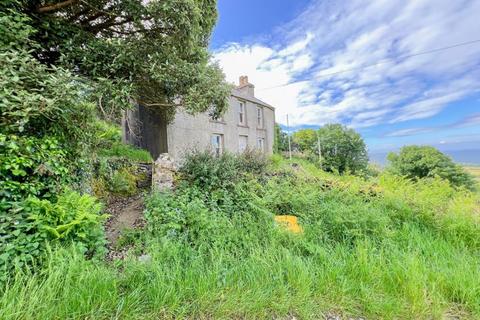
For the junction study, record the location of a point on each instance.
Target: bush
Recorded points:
(28, 226)
(31, 166)
(123, 182)
(233, 221)
(416, 162)
(253, 162)
(210, 172)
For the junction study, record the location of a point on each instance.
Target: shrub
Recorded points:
(114, 175)
(210, 172)
(123, 182)
(31, 166)
(26, 228)
(252, 161)
(276, 160)
(232, 221)
(416, 162)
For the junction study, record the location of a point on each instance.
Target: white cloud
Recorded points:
(345, 61)
(409, 132)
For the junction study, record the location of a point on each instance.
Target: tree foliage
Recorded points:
(281, 139)
(154, 52)
(305, 140)
(417, 162)
(343, 149)
(62, 64)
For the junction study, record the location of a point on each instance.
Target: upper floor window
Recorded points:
(259, 117)
(241, 113)
(217, 144)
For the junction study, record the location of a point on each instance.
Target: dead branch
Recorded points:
(55, 6)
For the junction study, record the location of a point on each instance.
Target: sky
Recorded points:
(399, 72)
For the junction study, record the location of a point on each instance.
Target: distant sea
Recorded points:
(469, 157)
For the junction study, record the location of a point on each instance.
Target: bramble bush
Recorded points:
(209, 172)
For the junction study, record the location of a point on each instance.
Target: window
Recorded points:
(217, 144)
(259, 117)
(242, 143)
(241, 113)
(261, 144)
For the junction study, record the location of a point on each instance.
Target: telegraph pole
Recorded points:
(289, 143)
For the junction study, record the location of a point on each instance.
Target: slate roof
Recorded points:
(237, 93)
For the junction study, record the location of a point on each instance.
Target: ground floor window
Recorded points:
(261, 144)
(217, 144)
(242, 143)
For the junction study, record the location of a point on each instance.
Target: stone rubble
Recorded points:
(163, 175)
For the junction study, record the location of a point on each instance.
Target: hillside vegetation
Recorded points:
(474, 171)
(383, 247)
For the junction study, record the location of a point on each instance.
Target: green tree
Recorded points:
(154, 52)
(305, 140)
(343, 149)
(64, 62)
(281, 139)
(417, 162)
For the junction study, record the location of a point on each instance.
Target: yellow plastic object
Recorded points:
(290, 223)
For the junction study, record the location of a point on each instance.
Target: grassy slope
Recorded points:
(475, 171)
(380, 249)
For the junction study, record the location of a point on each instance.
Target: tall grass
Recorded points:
(384, 248)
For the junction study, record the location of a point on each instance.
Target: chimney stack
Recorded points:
(246, 87)
(243, 81)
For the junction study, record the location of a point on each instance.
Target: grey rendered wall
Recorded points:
(187, 132)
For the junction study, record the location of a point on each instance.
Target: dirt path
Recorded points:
(126, 213)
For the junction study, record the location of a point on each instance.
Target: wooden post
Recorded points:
(289, 143)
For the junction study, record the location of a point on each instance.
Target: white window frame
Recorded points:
(259, 117)
(242, 113)
(261, 144)
(216, 140)
(240, 137)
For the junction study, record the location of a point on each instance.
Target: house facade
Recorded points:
(248, 123)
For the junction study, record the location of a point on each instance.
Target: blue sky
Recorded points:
(329, 61)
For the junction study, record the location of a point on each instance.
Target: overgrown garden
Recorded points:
(398, 243)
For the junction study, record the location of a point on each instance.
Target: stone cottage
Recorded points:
(247, 123)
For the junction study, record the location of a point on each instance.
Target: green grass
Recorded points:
(109, 143)
(384, 248)
(122, 150)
